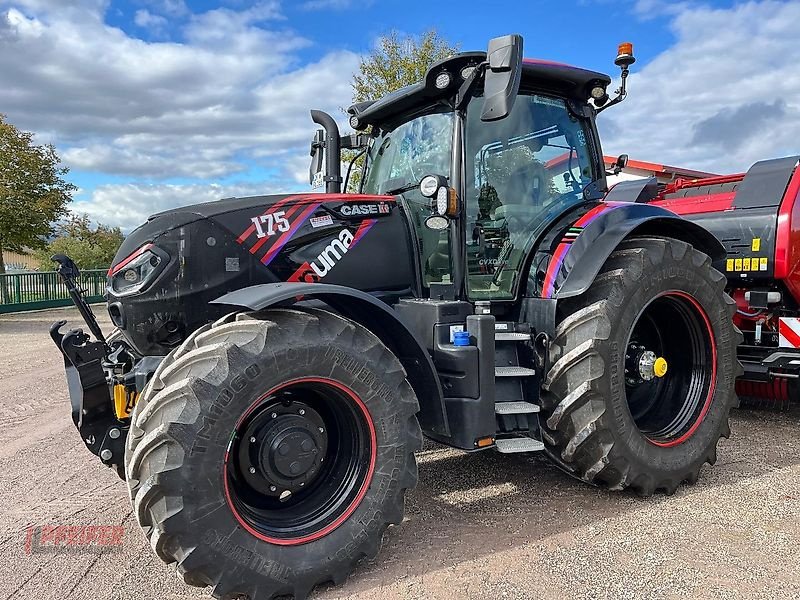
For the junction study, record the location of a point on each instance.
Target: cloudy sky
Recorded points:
(155, 103)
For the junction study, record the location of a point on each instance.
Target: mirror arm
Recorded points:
(358, 155)
(468, 87)
(622, 92)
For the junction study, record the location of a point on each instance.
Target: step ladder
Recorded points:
(515, 387)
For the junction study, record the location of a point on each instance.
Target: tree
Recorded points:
(33, 193)
(394, 63)
(397, 62)
(90, 248)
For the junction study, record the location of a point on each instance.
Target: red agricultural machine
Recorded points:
(756, 216)
(278, 358)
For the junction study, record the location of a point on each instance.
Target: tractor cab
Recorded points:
(484, 154)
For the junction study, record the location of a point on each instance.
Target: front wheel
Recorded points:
(644, 370)
(270, 452)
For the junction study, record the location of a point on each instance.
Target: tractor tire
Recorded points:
(608, 418)
(270, 452)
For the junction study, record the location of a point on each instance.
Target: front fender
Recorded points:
(576, 263)
(373, 314)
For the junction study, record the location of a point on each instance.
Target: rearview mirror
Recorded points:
(620, 164)
(315, 173)
(503, 75)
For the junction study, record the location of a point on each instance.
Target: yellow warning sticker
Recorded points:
(763, 266)
(756, 245)
(737, 264)
(746, 264)
(729, 264)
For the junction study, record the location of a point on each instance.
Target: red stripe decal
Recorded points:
(548, 288)
(281, 241)
(249, 231)
(789, 333)
(293, 209)
(365, 226)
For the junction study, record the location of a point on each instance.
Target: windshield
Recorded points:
(406, 154)
(403, 156)
(519, 171)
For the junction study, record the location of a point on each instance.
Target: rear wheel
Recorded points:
(270, 452)
(644, 367)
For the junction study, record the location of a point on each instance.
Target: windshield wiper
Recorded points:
(400, 188)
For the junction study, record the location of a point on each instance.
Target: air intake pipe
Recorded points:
(333, 168)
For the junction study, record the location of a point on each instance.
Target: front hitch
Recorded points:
(90, 396)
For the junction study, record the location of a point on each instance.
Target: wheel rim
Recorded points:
(299, 461)
(669, 408)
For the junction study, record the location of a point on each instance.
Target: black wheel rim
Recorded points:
(300, 461)
(668, 409)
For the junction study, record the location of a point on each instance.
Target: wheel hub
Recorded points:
(643, 365)
(283, 448)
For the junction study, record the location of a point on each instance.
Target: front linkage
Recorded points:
(102, 380)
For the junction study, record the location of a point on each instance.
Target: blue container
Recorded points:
(461, 338)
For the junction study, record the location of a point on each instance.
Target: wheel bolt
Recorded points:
(252, 440)
(252, 470)
(272, 488)
(302, 412)
(302, 483)
(274, 415)
(321, 430)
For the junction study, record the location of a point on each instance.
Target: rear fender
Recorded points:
(575, 265)
(373, 314)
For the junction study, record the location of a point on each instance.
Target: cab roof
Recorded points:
(541, 75)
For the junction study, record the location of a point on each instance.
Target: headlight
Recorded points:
(598, 92)
(442, 80)
(132, 274)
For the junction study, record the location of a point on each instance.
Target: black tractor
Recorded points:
(277, 359)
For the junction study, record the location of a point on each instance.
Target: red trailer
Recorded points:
(756, 216)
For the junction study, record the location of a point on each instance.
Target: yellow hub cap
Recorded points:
(660, 367)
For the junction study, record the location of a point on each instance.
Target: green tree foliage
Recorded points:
(395, 62)
(398, 61)
(33, 192)
(90, 248)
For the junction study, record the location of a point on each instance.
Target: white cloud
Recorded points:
(128, 205)
(171, 8)
(150, 21)
(334, 4)
(231, 94)
(725, 95)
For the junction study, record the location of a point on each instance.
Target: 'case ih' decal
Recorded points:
(548, 287)
(270, 231)
(331, 254)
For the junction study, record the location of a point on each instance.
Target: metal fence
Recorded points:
(31, 291)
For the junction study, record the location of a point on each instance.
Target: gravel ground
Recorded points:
(477, 526)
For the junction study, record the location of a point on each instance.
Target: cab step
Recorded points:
(514, 372)
(519, 444)
(515, 408)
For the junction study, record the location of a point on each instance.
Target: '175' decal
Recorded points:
(270, 223)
